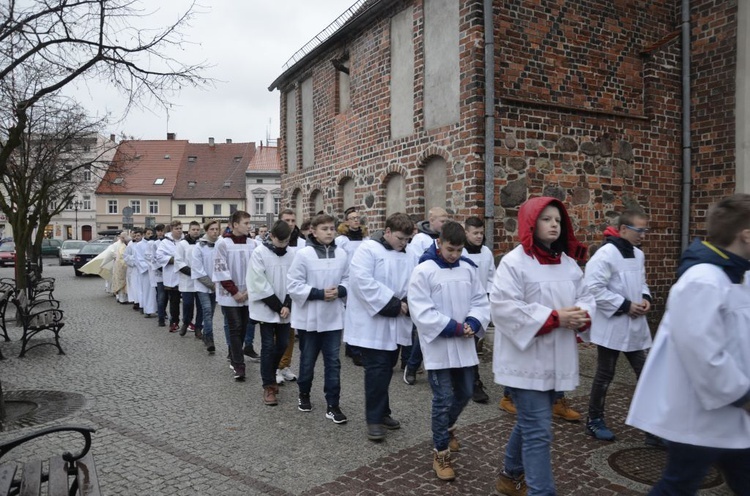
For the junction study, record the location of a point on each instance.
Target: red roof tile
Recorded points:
(139, 163)
(266, 159)
(214, 171)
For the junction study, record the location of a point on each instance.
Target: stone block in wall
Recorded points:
(566, 144)
(514, 193)
(554, 191)
(590, 148)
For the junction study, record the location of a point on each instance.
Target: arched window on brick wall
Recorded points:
(395, 195)
(316, 202)
(346, 193)
(434, 183)
(297, 205)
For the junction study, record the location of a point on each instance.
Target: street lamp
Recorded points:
(76, 205)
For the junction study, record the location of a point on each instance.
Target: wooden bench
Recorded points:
(65, 475)
(38, 316)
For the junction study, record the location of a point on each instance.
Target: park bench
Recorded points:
(37, 316)
(63, 475)
(7, 291)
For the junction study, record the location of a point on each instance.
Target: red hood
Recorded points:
(611, 231)
(529, 213)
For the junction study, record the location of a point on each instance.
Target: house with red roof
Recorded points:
(211, 181)
(142, 177)
(263, 185)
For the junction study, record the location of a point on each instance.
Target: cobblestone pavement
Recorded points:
(170, 420)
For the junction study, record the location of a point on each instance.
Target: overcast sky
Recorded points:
(247, 42)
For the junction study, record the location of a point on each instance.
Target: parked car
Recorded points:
(7, 254)
(89, 251)
(69, 249)
(51, 247)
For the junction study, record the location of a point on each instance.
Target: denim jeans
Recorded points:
(558, 394)
(189, 307)
(378, 366)
(311, 345)
(273, 341)
(451, 391)
(207, 302)
(528, 449)
(606, 363)
(161, 302)
(249, 332)
(688, 464)
(236, 319)
(415, 358)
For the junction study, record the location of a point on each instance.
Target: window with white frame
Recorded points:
(111, 206)
(153, 207)
(276, 205)
(181, 209)
(136, 206)
(217, 208)
(87, 173)
(86, 202)
(198, 209)
(232, 208)
(260, 205)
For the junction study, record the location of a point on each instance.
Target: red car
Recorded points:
(7, 254)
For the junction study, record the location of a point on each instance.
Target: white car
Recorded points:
(69, 249)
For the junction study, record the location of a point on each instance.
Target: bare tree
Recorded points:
(58, 151)
(48, 44)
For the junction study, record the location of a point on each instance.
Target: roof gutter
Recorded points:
(686, 138)
(489, 125)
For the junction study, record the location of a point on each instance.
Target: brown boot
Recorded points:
(506, 403)
(269, 396)
(453, 444)
(561, 408)
(509, 486)
(442, 466)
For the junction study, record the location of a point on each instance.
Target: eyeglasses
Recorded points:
(639, 230)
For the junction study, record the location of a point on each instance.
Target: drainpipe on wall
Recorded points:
(489, 126)
(686, 138)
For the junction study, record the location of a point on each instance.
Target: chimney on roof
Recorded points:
(112, 138)
(261, 144)
(229, 141)
(211, 141)
(171, 136)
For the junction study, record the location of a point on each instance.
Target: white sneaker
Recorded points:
(288, 375)
(279, 377)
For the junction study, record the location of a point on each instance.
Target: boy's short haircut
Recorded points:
(318, 220)
(281, 230)
(628, 217)
(474, 221)
(727, 218)
(137, 230)
(175, 223)
(210, 223)
(436, 212)
(159, 227)
(287, 211)
(307, 224)
(194, 223)
(238, 216)
(350, 210)
(400, 222)
(453, 233)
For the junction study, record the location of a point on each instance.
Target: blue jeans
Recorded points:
(528, 449)
(274, 339)
(415, 358)
(688, 464)
(451, 391)
(558, 394)
(311, 344)
(207, 303)
(188, 307)
(378, 366)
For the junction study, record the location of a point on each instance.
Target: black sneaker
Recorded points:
(410, 376)
(183, 329)
(334, 413)
(239, 373)
(250, 353)
(390, 423)
(480, 395)
(303, 404)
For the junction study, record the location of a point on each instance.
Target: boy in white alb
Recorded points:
(317, 283)
(148, 284)
(270, 304)
(201, 271)
(231, 258)
(164, 259)
(539, 302)
(377, 315)
(449, 306)
(134, 280)
(694, 390)
(616, 276)
(351, 234)
(182, 259)
(477, 252)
